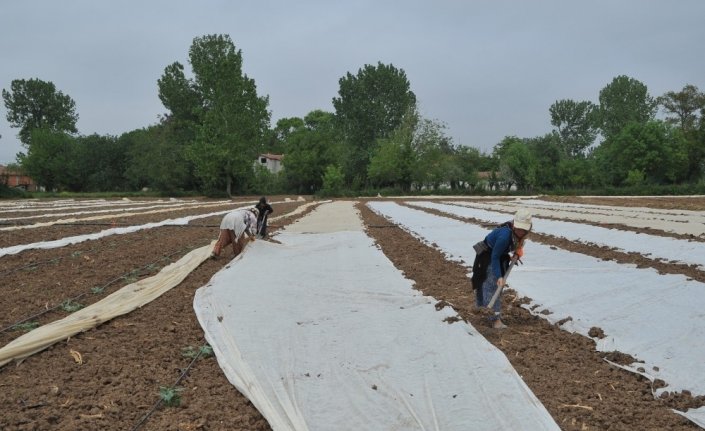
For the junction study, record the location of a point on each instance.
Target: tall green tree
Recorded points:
(311, 145)
(232, 120)
(435, 152)
(623, 101)
(370, 106)
(548, 152)
(683, 106)
(394, 161)
(156, 159)
(517, 164)
(36, 104)
(575, 173)
(50, 160)
(101, 161)
(279, 136)
(575, 123)
(685, 109)
(653, 151)
(179, 95)
(468, 162)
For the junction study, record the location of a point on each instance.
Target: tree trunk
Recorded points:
(228, 185)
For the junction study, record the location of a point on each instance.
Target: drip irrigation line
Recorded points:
(19, 268)
(29, 265)
(159, 401)
(81, 295)
(9, 271)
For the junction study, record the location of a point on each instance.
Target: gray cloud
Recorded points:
(486, 68)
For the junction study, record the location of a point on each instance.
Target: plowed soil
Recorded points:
(123, 363)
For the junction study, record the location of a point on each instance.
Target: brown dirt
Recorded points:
(127, 360)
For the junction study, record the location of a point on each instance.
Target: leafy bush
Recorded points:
(333, 179)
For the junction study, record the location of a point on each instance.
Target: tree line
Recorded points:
(216, 125)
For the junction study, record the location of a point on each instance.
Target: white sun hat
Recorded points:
(522, 219)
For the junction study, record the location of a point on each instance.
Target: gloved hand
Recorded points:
(518, 254)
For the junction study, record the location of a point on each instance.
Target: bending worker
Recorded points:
(234, 225)
(492, 260)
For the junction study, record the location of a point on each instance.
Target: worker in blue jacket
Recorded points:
(492, 260)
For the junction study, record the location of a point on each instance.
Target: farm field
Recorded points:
(121, 365)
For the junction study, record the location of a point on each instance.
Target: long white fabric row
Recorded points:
(674, 221)
(108, 209)
(107, 216)
(653, 246)
(64, 204)
(658, 319)
(129, 229)
(322, 332)
(107, 232)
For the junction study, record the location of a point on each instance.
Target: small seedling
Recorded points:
(70, 306)
(96, 290)
(26, 326)
(170, 396)
(130, 278)
(76, 253)
(191, 352)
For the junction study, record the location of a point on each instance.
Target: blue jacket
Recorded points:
(501, 243)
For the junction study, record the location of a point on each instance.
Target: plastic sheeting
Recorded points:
(111, 216)
(107, 232)
(655, 247)
(675, 221)
(657, 318)
(129, 229)
(107, 208)
(321, 332)
(116, 304)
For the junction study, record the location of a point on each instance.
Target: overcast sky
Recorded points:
(487, 69)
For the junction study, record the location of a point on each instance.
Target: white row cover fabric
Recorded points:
(107, 232)
(662, 248)
(109, 216)
(674, 221)
(108, 208)
(62, 204)
(123, 301)
(321, 332)
(656, 318)
(129, 229)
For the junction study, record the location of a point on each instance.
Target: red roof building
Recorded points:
(13, 177)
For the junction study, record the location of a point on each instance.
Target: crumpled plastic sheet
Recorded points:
(123, 301)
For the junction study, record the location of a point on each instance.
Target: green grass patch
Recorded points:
(26, 326)
(192, 352)
(70, 306)
(170, 396)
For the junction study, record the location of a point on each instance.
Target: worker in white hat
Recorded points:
(492, 260)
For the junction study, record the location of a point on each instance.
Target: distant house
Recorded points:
(13, 177)
(273, 162)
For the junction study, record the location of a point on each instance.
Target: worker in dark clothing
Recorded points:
(264, 210)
